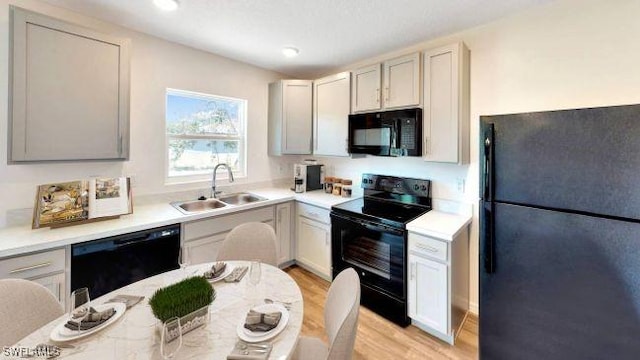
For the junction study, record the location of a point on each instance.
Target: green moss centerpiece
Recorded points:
(188, 299)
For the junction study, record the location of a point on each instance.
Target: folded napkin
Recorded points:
(91, 320)
(237, 274)
(243, 351)
(257, 321)
(216, 270)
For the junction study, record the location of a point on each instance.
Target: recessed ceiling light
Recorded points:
(290, 51)
(166, 5)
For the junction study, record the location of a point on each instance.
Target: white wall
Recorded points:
(155, 65)
(567, 54)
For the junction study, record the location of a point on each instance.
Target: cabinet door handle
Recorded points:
(386, 89)
(32, 267)
(377, 95)
(427, 248)
(426, 145)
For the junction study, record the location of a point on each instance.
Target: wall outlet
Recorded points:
(460, 184)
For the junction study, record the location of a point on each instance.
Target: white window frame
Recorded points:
(242, 141)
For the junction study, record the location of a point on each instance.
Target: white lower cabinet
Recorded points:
(204, 249)
(284, 228)
(438, 290)
(56, 284)
(202, 239)
(428, 292)
(46, 268)
(313, 250)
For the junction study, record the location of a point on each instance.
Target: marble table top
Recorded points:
(135, 334)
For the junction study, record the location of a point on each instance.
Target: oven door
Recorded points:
(375, 251)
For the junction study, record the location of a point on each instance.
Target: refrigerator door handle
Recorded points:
(489, 240)
(488, 208)
(487, 194)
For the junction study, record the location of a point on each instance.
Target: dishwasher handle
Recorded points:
(117, 242)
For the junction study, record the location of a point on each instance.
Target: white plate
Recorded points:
(252, 337)
(60, 333)
(227, 271)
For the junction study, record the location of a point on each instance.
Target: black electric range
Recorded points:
(369, 234)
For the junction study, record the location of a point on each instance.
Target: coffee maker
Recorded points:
(307, 177)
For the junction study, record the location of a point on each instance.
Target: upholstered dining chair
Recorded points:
(249, 241)
(24, 307)
(341, 312)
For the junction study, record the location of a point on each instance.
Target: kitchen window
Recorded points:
(202, 131)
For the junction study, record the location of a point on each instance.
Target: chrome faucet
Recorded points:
(214, 193)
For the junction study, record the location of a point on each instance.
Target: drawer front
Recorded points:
(33, 265)
(430, 247)
(313, 213)
(197, 229)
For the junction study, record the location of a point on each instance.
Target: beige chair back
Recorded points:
(249, 241)
(341, 314)
(25, 306)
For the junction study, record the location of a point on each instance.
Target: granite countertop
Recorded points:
(22, 239)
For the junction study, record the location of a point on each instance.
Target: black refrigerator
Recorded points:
(560, 235)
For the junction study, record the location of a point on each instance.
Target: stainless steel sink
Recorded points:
(240, 198)
(195, 206)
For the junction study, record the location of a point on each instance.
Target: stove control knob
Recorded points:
(424, 188)
(416, 187)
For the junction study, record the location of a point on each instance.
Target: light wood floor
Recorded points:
(378, 338)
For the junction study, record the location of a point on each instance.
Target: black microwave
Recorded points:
(387, 133)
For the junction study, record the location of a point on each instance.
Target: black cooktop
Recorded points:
(394, 214)
(389, 200)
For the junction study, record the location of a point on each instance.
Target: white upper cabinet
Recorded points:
(402, 82)
(69, 91)
(290, 120)
(365, 90)
(331, 115)
(391, 85)
(446, 104)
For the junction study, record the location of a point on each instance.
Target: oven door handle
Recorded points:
(379, 227)
(368, 224)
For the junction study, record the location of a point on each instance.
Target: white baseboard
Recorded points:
(474, 308)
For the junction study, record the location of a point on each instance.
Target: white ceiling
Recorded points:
(329, 33)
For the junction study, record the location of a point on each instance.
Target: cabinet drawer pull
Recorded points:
(427, 248)
(32, 267)
(312, 214)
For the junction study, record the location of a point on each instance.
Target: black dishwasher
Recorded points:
(111, 263)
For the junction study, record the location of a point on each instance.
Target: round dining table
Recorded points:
(135, 334)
